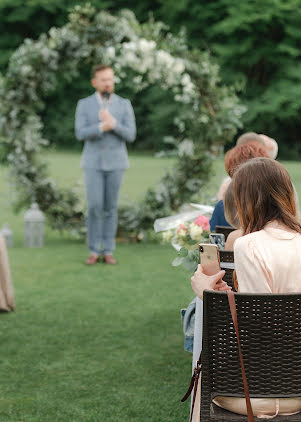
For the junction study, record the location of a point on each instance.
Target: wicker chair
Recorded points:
(270, 332)
(226, 230)
(227, 257)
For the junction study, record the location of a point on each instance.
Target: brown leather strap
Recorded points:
(195, 389)
(197, 370)
(194, 384)
(231, 299)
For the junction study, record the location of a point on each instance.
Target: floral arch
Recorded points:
(148, 53)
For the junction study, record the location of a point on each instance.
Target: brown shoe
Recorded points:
(92, 260)
(109, 259)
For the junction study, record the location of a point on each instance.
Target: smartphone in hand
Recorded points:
(209, 258)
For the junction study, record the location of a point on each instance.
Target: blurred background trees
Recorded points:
(257, 44)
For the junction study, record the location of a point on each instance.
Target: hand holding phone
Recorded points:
(209, 258)
(200, 282)
(208, 275)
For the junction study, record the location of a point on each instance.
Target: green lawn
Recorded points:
(94, 344)
(98, 344)
(144, 171)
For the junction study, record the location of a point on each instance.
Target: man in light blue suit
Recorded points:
(105, 122)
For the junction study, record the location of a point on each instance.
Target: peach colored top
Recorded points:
(267, 261)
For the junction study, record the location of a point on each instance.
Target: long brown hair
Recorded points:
(230, 207)
(263, 193)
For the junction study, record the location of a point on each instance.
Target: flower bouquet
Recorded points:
(186, 238)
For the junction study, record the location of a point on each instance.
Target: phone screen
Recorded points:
(217, 239)
(209, 258)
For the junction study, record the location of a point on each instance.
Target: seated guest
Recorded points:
(271, 147)
(218, 216)
(232, 217)
(233, 158)
(7, 301)
(268, 143)
(267, 256)
(242, 153)
(249, 137)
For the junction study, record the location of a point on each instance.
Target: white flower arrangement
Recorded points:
(153, 56)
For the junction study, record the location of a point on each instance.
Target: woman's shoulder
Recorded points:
(248, 239)
(249, 243)
(219, 208)
(280, 232)
(231, 239)
(219, 204)
(269, 235)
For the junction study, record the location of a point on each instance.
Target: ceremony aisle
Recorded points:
(96, 344)
(100, 344)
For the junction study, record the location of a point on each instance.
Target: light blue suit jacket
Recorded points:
(105, 150)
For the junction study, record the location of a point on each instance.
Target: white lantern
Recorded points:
(34, 227)
(8, 235)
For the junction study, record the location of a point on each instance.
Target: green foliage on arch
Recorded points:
(143, 54)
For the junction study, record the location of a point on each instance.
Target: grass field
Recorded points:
(93, 344)
(66, 171)
(100, 344)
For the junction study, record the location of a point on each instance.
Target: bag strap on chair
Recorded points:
(232, 304)
(197, 370)
(194, 384)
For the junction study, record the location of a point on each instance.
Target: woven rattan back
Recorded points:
(228, 278)
(226, 230)
(270, 335)
(227, 257)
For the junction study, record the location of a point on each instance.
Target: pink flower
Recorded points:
(181, 227)
(203, 222)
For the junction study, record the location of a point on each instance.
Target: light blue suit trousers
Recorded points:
(102, 190)
(104, 161)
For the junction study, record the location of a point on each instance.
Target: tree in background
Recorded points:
(154, 108)
(143, 55)
(257, 44)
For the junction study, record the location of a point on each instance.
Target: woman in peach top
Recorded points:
(267, 256)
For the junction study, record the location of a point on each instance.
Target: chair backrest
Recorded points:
(270, 336)
(226, 230)
(228, 258)
(228, 277)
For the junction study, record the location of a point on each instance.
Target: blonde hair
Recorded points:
(249, 137)
(271, 145)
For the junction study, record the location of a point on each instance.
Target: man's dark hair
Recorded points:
(99, 68)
